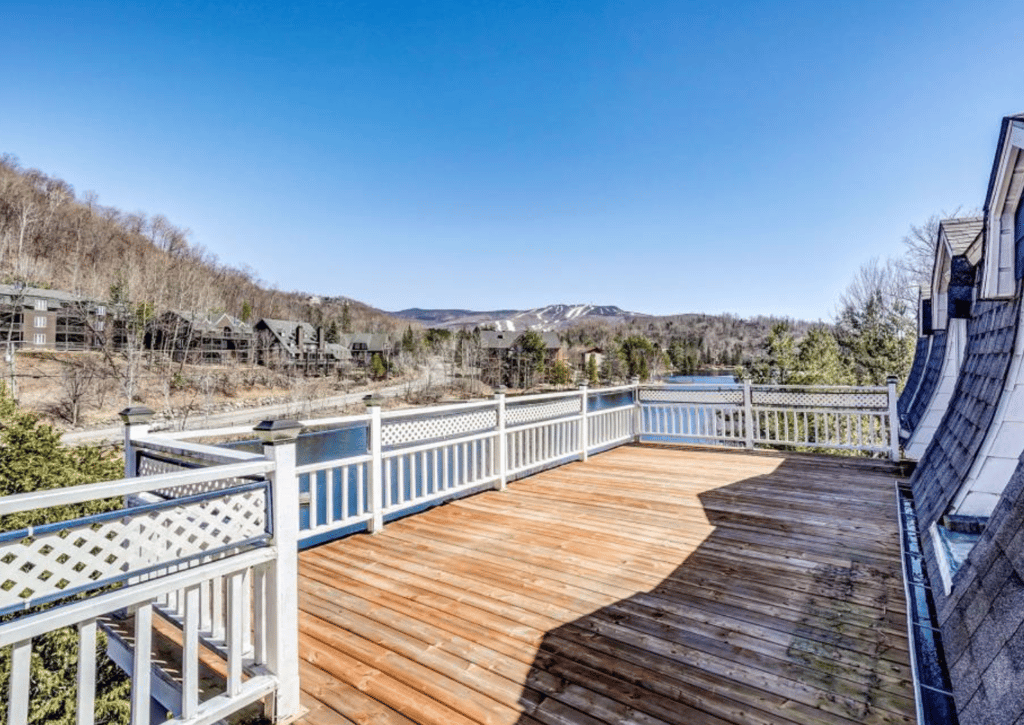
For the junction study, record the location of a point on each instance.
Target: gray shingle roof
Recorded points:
(914, 379)
(502, 340)
(962, 232)
(946, 463)
(981, 618)
(201, 322)
(932, 370)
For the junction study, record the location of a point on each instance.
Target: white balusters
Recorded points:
(86, 699)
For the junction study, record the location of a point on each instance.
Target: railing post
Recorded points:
(748, 414)
(136, 425)
(375, 470)
(584, 442)
(637, 410)
(282, 578)
(502, 482)
(894, 420)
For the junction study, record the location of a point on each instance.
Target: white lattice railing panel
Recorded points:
(692, 396)
(149, 465)
(820, 399)
(395, 433)
(56, 560)
(194, 489)
(521, 413)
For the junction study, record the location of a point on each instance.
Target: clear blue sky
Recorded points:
(662, 156)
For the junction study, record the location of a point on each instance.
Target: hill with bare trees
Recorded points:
(54, 238)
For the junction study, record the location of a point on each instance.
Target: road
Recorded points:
(296, 409)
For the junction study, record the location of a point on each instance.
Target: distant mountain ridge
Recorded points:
(551, 317)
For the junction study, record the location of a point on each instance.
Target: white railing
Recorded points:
(838, 418)
(205, 548)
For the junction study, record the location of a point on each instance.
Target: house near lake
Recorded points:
(502, 353)
(295, 345)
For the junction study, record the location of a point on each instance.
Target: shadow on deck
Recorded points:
(648, 585)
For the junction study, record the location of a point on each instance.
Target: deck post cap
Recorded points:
(136, 414)
(272, 432)
(373, 400)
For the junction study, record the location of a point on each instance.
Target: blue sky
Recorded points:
(666, 157)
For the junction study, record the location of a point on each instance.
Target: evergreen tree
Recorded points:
(346, 319)
(592, 378)
(637, 352)
(819, 361)
(409, 340)
(332, 335)
(560, 373)
(875, 327)
(32, 458)
(528, 359)
(377, 368)
(780, 357)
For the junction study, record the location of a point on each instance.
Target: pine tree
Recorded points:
(346, 319)
(592, 377)
(637, 352)
(377, 368)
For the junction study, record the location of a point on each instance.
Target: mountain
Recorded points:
(552, 317)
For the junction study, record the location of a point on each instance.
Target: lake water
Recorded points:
(351, 440)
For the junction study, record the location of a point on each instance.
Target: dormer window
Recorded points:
(1002, 268)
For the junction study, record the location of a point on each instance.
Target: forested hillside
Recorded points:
(692, 341)
(52, 237)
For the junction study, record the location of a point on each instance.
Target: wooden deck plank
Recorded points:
(649, 585)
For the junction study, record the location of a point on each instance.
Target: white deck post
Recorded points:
(502, 482)
(748, 414)
(894, 421)
(637, 410)
(282, 579)
(136, 425)
(584, 442)
(375, 479)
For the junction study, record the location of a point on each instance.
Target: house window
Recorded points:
(40, 338)
(41, 305)
(1001, 248)
(101, 310)
(99, 325)
(40, 321)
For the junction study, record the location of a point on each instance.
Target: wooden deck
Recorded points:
(648, 585)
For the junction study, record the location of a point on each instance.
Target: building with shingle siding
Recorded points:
(969, 486)
(952, 287)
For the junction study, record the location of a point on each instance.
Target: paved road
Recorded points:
(299, 409)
